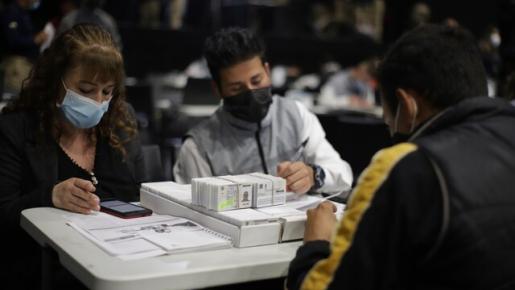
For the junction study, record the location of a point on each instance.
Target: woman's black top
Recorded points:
(112, 180)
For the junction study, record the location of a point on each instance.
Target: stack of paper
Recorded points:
(146, 236)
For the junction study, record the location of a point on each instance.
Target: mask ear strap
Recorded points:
(64, 85)
(414, 117)
(396, 119)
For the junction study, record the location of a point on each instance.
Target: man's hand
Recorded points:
(298, 175)
(76, 195)
(321, 222)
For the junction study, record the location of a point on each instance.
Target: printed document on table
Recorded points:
(145, 236)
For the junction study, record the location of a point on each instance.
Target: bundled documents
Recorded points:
(278, 187)
(148, 236)
(230, 192)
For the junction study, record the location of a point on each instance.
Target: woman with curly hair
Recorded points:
(70, 138)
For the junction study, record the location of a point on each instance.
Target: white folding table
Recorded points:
(98, 270)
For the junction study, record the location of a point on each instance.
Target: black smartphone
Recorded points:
(123, 209)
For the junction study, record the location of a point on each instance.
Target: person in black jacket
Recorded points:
(437, 210)
(67, 141)
(20, 36)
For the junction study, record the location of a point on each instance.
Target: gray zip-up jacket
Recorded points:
(225, 145)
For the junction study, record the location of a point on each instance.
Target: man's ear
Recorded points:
(408, 105)
(267, 68)
(216, 89)
(407, 110)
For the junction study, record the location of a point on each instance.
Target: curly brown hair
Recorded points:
(92, 49)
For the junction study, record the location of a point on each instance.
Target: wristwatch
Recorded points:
(318, 176)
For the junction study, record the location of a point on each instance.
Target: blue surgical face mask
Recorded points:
(82, 112)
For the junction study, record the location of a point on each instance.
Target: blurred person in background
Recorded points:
(353, 87)
(21, 43)
(90, 11)
(506, 25)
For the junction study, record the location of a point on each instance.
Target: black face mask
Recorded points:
(251, 106)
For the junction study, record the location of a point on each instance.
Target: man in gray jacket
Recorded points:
(254, 131)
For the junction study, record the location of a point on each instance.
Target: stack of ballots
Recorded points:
(238, 191)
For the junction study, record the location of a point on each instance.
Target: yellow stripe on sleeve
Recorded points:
(369, 182)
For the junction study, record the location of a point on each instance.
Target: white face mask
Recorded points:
(80, 111)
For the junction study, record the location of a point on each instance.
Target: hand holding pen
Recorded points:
(299, 176)
(76, 195)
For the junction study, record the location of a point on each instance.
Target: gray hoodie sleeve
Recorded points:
(190, 164)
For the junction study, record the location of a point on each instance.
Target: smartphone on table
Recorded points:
(123, 209)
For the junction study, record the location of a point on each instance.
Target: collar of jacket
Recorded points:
(469, 109)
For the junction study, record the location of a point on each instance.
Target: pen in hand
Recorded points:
(319, 201)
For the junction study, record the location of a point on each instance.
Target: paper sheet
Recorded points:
(143, 237)
(99, 220)
(281, 211)
(124, 250)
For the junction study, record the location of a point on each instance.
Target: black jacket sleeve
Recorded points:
(134, 151)
(13, 174)
(394, 234)
(307, 255)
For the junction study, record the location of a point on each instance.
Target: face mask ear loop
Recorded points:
(414, 118)
(66, 89)
(64, 85)
(396, 119)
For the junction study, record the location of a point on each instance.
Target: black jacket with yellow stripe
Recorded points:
(435, 213)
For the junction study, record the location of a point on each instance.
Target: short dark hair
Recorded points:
(230, 46)
(441, 63)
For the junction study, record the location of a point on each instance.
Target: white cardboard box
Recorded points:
(242, 236)
(247, 227)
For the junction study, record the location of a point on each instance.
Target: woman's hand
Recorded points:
(76, 195)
